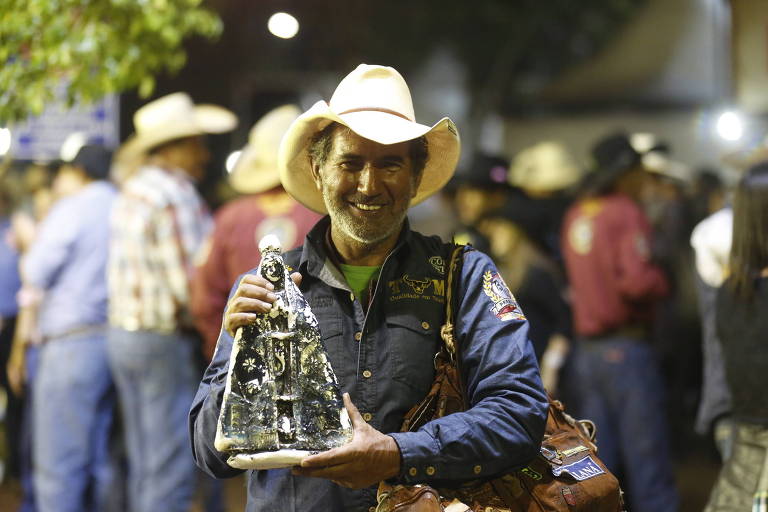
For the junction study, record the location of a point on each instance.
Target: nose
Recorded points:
(368, 181)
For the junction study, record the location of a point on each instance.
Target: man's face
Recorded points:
(367, 187)
(189, 154)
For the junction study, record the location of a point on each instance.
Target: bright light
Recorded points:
(282, 24)
(72, 145)
(232, 160)
(5, 141)
(730, 126)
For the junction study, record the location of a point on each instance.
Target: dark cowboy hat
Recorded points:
(612, 157)
(484, 171)
(95, 160)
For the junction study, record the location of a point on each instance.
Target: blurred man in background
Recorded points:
(73, 412)
(606, 243)
(158, 225)
(239, 225)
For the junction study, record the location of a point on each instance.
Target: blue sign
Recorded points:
(583, 469)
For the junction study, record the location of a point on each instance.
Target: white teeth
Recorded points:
(369, 207)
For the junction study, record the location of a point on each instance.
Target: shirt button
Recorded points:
(425, 325)
(477, 469)
(412, 471)
(367, 416)
(371, 509)
(367, 374)
(358, 336)
(352, 296)
(430, 470)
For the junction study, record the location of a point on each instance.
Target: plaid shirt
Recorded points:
(158, 224)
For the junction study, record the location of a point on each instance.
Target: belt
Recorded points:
(627, 331)
(76, 331)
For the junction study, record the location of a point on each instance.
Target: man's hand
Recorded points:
(369, 458)
(253, 295)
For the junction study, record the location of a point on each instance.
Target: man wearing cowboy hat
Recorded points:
(264, 208)
(378, 291)
(158, 224)
(614, 285)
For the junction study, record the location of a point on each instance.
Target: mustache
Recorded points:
(357, 197)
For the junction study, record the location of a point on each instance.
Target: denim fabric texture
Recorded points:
(26, 448)
(622, 391)
(384, 360)
(73, 414)
(156, 378)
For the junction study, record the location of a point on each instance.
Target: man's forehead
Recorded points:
(347, 142)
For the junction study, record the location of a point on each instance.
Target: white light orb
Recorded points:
(5, 141)
(730, 126)
(283, 25)
(232, 160)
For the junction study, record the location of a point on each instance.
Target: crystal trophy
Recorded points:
(282, 401)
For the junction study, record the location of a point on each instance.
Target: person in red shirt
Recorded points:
(614, 285)
(264, 208)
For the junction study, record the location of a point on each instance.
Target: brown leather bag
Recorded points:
(567, 475)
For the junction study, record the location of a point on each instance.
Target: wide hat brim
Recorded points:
(250, 175)
(382, 127)
(204, 119)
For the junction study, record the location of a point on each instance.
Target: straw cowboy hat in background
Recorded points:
(375, 103)
(544, 168)
(167, 118)
(256, 169)
(656, 159)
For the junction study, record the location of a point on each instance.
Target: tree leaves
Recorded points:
(92, 48)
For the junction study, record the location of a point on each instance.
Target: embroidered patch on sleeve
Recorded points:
(504, 306)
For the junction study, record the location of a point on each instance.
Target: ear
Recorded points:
(416, 183)
(315, 169)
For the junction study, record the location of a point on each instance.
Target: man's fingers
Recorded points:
(248, 305)
(354, 414)
(296, 278)
(334, 456)
(256, 279)
(237, 320)
(254, 291)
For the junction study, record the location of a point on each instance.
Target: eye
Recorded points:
(392, 167)
(349, 165)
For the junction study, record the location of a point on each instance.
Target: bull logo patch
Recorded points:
(418, 285)
(504, 306)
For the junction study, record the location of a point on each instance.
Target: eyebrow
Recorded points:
(385, 158)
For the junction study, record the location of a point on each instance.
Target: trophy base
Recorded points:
(268, 460)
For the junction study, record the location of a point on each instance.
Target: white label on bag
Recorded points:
(583, 469)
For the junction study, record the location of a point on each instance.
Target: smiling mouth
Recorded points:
(367, 207)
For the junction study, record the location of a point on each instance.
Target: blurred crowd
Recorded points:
(642, 279)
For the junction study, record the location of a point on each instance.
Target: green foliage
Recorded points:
(91, 48)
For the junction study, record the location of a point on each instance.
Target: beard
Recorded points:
(363, 229)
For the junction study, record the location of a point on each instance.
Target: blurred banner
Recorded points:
(41, 137)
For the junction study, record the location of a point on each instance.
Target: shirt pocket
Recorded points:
(331, 329)
(413, 343)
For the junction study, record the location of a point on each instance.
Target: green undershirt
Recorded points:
(358, 277)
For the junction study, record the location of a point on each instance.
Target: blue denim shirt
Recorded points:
(400, 336)
(68, 260)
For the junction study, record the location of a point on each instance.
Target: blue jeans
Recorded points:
(621, 390)
(72, 417)
(156, 381)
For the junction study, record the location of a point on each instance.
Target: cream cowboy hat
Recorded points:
(544, 168)
(256, 169)
(375, 103)
(167, 118)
